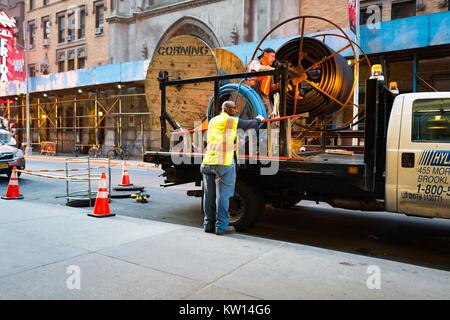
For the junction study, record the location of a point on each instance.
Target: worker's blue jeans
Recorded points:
(219, 182)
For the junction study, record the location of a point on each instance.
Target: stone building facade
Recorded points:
(138, 27)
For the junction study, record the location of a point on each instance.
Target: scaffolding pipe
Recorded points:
(120, 117)
(29, 149)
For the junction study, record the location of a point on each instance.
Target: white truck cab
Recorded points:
(418, 155)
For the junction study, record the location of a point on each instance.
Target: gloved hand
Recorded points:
(276, 64)
(260, 118)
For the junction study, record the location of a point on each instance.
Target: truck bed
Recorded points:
(323, 162)
(314, 176)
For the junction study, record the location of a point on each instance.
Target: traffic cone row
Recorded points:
(13, 193)
(101, 207)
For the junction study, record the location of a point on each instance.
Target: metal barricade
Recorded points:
(84, 196)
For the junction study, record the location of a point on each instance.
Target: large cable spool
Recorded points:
(183, 57)
(228, 63)
(248, 102)
(333, 76)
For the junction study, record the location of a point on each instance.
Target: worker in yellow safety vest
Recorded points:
(219, 166)
(264, 85)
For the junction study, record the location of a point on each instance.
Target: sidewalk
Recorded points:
(128, 258)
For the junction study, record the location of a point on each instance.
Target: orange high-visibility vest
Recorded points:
(262, 82)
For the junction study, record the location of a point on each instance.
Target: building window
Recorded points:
(82, 22)
(61, 66)
(32, 34)
(61, 28)
(70, 64)
(99, 17)
(431, 120)
(31, 4)
(403, 9)
(46, 2)
(32, 70)
(368, 12)
(71, 60)
(81, 63)
(71, 27)
(45, 27)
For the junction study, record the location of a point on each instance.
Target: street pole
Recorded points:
(29, 148)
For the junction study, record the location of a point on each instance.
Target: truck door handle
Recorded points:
(408, 160)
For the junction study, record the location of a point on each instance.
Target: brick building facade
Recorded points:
(66, 35)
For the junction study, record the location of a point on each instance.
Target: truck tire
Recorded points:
(246, 206)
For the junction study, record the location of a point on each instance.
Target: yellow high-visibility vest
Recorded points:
(222, 133)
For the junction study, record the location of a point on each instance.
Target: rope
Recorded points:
(64, 170)
(93, 177)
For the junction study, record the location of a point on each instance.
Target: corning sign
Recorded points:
(179, 50)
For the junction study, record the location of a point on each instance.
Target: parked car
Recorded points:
(10, 155)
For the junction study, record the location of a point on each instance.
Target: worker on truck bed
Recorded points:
(264, 85)
(219, 166)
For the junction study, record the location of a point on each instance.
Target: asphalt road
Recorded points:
(418, 241)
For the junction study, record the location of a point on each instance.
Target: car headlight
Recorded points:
(18, 154)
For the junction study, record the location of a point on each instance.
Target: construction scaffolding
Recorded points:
(79, 121)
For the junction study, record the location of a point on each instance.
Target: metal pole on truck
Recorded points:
(356, 93)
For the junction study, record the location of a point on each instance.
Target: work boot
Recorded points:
(209, 229)
(229, 230)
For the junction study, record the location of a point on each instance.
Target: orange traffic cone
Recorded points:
(101, 207)
(13, 193)
(125, 182)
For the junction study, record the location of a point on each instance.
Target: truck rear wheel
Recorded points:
(246, 206)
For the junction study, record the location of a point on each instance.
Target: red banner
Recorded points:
(352, 14)
(8, 54)
(18, 61)
(6, 49)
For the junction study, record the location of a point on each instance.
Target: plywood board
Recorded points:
(183, 57)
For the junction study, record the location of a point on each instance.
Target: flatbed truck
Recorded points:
(405, 167)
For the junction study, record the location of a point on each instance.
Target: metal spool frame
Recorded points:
(302, 75)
